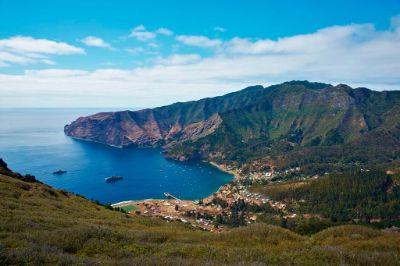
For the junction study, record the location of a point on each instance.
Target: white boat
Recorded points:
(113, 178)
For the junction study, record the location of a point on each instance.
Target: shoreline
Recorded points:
(93, 141)
(221, 168)
(214, 164)
(127, 202)
(211, 213)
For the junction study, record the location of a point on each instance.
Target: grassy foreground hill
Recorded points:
(41, 225)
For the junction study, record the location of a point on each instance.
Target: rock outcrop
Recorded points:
(139, 128)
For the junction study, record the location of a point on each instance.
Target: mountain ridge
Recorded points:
(140, 115)
(262, 121)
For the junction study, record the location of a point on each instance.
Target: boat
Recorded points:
(59, 172)
(113, 178)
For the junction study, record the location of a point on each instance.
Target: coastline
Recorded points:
(214, 164)
(223, 169)
(129, 202)
(94, 141)
(205, 213)
(199, 213)
(220, 167)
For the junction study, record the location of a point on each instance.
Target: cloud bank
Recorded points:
(356, 54)
(27, 50)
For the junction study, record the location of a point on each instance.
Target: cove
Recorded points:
(32, 141)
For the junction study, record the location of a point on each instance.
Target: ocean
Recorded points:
(32, 141)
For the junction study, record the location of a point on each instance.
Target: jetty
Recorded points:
(169, 195)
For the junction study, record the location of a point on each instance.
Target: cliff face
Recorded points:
(179, 121)
(117, 129)
(257, 120)
(137, 128)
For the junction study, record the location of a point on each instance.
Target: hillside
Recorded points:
(296, 123)
(40, 225)
(371, 197)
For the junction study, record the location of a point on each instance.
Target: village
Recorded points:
(211, 212)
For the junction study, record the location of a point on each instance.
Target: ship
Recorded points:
(59, 172)
(113, 178)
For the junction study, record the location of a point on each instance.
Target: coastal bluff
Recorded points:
(292, 120)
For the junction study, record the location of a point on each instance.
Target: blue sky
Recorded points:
(149, 53)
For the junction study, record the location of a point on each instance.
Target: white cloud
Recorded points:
(27, 50)
(48, 62)
(140, 33)
(356, 54)
(323, 40)
(153, 45)
(395, 22)
(143, 35)
(96, 42)
(164, 31)
(6, 58)
(219, 29)
(179, 59)
(135, 50)
(25, 44)
(55, 73)
(199, 41)
(139, 28)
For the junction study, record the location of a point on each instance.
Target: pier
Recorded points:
(169, 195)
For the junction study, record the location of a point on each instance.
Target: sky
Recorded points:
(130, 54)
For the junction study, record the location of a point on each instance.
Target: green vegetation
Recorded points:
(294, 124)
(238, 210)
(313, 128)
(129, 208)
(333, 137)
(371, 197)
(319, 127)
(43, 226)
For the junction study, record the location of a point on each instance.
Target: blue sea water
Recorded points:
(32, 141)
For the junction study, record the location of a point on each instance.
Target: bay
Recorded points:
(32, 141)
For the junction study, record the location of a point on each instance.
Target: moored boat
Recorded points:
(59, 172)
(113, 178)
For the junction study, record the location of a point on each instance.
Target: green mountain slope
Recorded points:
(370, 197)
(40, 225)
(276, 123)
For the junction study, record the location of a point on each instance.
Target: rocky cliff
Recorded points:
(253, 122)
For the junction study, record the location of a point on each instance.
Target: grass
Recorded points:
(129, 208)
(43, 226)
